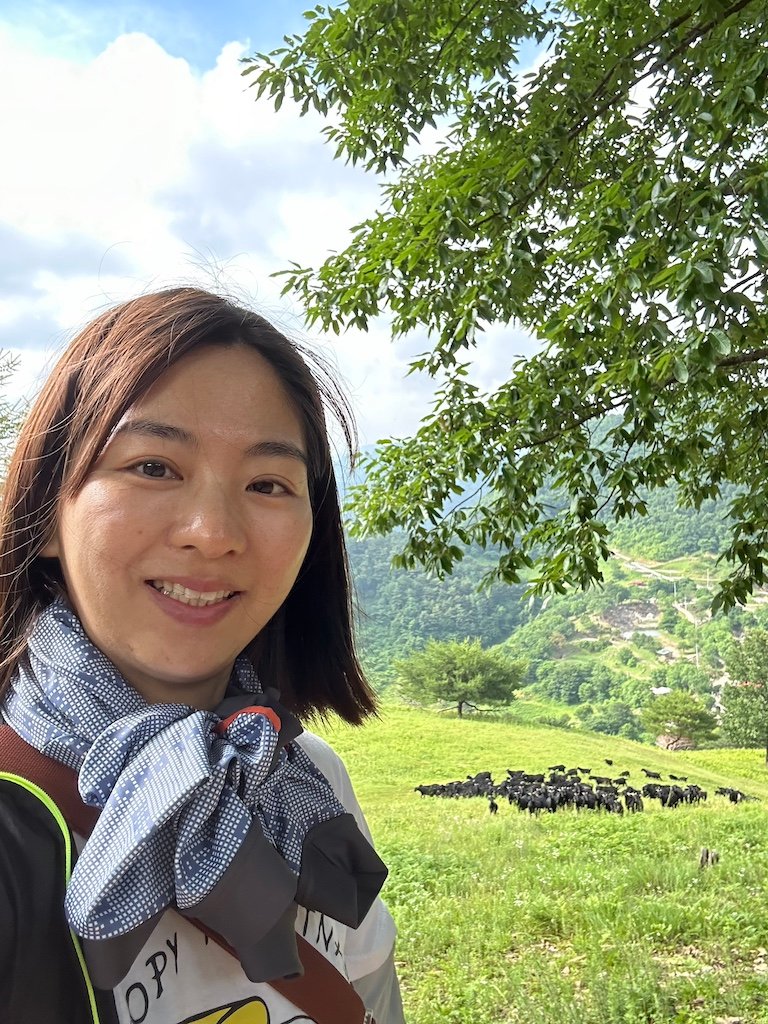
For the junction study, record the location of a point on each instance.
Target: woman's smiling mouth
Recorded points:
(195, 598)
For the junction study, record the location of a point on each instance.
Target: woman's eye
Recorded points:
(268, 487)
(153, 469)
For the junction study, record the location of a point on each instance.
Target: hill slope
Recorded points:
(569, 918)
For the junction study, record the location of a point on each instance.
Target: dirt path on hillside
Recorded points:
(646, 570)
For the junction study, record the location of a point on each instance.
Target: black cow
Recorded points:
(436, 789)
(633, 800)
(734, 795)
(676, 796)
(601, 780)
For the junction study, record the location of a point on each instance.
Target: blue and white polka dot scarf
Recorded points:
(178, 788)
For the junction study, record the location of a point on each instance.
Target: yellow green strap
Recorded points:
(58, 817)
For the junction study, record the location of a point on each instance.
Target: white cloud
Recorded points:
(87, 148)
(131, 170)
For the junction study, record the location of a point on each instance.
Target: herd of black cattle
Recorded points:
(565, 787)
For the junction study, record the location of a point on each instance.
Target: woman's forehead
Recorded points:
(226, 390)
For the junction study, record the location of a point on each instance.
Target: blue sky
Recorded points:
(193, 29)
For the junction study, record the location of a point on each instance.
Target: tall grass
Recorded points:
(572, 917)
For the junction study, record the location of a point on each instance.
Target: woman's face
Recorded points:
(191, 528)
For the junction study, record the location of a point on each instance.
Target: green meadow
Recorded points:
(566, 918)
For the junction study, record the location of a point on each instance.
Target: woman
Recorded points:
(174, 592)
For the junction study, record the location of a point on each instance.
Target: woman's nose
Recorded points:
(209, 520)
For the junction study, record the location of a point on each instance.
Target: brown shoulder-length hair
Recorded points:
(307, 650)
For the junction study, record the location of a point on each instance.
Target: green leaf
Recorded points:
(680, 371)
(704, 271)
(721, 342)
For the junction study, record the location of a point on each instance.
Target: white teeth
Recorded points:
(196, 598)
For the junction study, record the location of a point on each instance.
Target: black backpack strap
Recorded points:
(59, 782)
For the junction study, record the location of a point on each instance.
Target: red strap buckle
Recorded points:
(255, 709)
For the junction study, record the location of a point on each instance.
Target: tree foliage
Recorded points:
(682, 675)
(401, 609)
(10, 414)
(668, 531)
(576, 681)
(458, 673)
(680, 715)
(614, 202)
(743, 717)
(745, 700)
(613, 717)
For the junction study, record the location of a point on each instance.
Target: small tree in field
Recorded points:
(746, 704)
(460, 674)
(680, 715)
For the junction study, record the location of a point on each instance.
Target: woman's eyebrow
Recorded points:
(153, 428)
(278, 449)
(169, 432)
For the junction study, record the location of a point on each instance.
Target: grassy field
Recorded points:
(565, 918)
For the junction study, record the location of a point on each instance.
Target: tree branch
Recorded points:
(584, 122)
(754, 356)
(696, 33)
(674, 24)
(465, 17)
(608, 405)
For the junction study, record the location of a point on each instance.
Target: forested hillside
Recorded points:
(593, 658)
(402, 609)
(669, 532)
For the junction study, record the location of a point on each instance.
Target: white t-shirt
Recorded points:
(182, 977)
